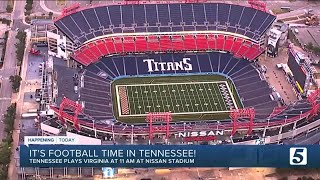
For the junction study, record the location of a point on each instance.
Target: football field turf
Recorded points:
(180, 98)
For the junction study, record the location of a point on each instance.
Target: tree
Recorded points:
(50, 14)
(309, 46)
(15, 80)
(6, 145)
(316, 50)
(5, 150)
(3, 172)
(28, 6)
(9, 8)
(20, 46)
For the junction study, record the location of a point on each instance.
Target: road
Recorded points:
(9, 68)
(44, 7)
(298, 8)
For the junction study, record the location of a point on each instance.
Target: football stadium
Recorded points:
(168, 72)
(146, 69)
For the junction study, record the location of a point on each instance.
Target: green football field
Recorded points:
(182, 96)
(177, 98)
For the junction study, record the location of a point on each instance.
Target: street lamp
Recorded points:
(285, 121)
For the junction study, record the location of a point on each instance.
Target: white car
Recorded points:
(17, 29)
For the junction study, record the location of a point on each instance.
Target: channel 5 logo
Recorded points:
(298, 156)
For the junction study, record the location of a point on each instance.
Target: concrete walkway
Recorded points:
(13, 169)
(44, 7)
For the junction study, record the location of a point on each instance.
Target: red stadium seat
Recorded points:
(212, 42)
(189, 42)
(254, 52)
(153, 43)
(110, 45)
(220, 42)
(177, 43)
(141, 44)
(95, 50)
(118, 45)
(250, 52)
(165, 43)
(228, 44)
(128, 44)
(91, 56)
(202, 42)
(236, 45)
(102, 47)
(244, 48)
(82, 58)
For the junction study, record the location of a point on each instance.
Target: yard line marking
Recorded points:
(210, 102)
(181, 103)
(198, 95)
(158, 104)
(205, 99)
(132, 89)
(217, 91)
(176, 108)
(142, 110)
(153, 102)
(161, 97)
(213, 96)
(186, 100)
(232, 97)
(190, 100)
(171, 106)
(194, 97)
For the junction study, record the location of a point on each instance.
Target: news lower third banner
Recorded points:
(169, 156)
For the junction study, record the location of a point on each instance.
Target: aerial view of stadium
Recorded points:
(185, 72)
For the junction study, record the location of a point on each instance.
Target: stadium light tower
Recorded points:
(159, 117)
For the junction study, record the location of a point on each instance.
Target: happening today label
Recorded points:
(50, 140)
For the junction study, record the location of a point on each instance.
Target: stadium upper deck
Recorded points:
(84, 25)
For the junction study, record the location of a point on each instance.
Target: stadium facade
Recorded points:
(109, 43)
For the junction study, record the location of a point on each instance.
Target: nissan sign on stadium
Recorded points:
(199, 135)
